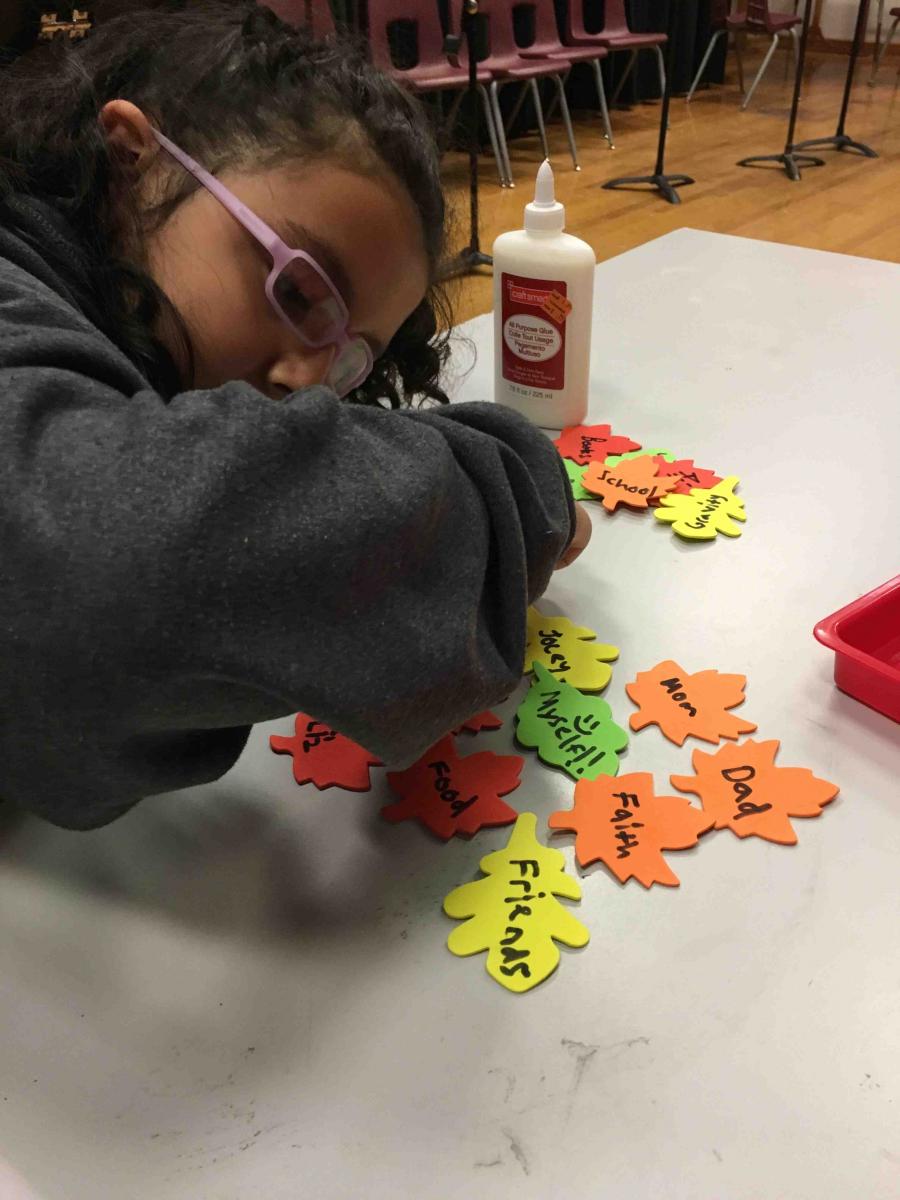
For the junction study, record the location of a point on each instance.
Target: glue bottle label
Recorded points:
(534, 332)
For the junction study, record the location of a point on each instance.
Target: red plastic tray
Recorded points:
(865, 638)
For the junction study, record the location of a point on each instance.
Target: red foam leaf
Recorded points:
(592, 443)
(482, 720)
(691, 476)
(324, 757)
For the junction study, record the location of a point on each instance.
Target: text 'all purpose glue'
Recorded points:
(543, 294)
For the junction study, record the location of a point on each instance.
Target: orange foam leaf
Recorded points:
(633, 481)
(684, 705)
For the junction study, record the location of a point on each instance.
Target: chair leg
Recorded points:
(795, 42)
(567, 120)
(662, 69)
(709, 49)
(882, 49)
(539, 112)
(631, 61)
(492, 134)
(501, 132)
(517, 107)
(739, 56)
(762, 70)
(601, 96)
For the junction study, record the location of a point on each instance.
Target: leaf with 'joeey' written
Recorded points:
(684, 705)
(452, 794)
(592, 443)
(513, 913)
(324, 757)
(568, 651)
(744, 791)
(621, 823)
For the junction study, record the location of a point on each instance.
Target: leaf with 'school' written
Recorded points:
(592, 443)
(451, 794)
(324, 757)
(684, 705)
(513, 913)
(743, 790)
(568, 651)
(634, 482)
(623, 824)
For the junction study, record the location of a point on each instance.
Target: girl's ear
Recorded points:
(129, 134)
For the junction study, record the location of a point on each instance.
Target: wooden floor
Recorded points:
(852, 205)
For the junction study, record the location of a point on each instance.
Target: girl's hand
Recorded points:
(583, 531)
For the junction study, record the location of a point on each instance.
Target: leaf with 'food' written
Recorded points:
(634, 482)
(621, 823)
(452, 794)
(324, 757)
(569, 730)
(705, 512)
(592, 443)
(744, 791)
(684, 705)
(575, 472)
(513, 913)
(568, 651)
(482, 720)
(690, 476)
(613, 460)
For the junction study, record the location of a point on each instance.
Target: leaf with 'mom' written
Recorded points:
(622, 823)
(744, 791)
(513, 912)
(705, 512)
(568, 651)
(684, 705)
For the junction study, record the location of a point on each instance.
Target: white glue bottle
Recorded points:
(543, 295)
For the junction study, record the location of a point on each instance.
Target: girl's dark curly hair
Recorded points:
(235, 87)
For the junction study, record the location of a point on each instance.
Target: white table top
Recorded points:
(260, 1004)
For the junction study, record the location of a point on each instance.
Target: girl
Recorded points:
(214, 233)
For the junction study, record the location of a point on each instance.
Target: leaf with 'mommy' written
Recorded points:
(513, 913)
(705, 513)
(684, 705)
(569, 730)
(622, 823)
(324, 757)
(568, 651)
(590, 443)
(743, 790)
(635, 482)
(452, 794)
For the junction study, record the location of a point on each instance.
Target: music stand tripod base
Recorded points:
(664, 184)
(840, 141)
(789, 160)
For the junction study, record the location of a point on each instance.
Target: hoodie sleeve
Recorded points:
(173, 571)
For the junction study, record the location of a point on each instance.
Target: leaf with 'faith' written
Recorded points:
(513, 913)
(684, 705)
(744, 791)
(705, 512)
(324, 757)
(592, 443)
(634, 482)
(568, 651)
(452, 794)
(569, 730)
(620, 822)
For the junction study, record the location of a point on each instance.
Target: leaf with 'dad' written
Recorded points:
(634, 482)
(621, 823)
(684, 705)
(452, 794)
(568, 651)
(705, 512)
(743, 790)
(513, 913)
(324, 757)
(569, 730)
(590, 443)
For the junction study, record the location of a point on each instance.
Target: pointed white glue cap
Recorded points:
(545, 214)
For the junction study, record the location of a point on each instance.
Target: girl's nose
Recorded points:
(300, 367)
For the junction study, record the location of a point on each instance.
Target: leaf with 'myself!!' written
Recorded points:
(513, 913)
(451, 794)
(569, 730)
(592, 443)
(621, 823)
(686, 706)
(568, 651)
(744, 791)
(324, 757)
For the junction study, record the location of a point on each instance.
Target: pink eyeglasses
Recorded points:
(297, 287)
